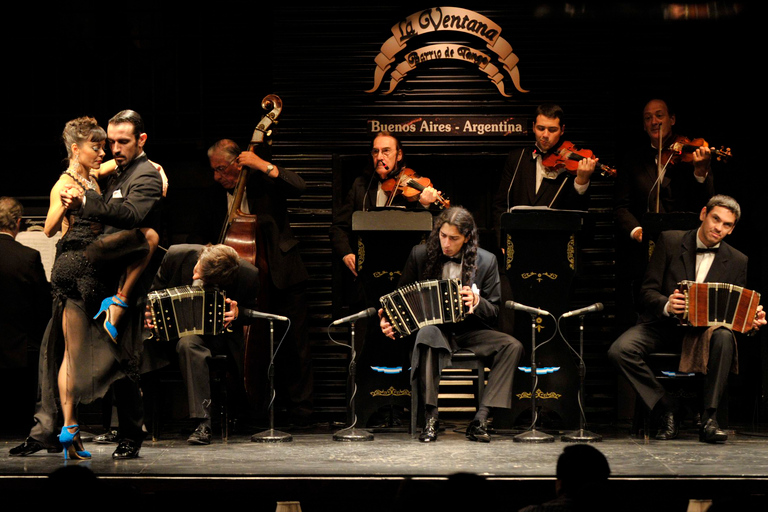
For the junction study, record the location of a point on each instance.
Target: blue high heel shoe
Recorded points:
(67, 440)
(109, 301)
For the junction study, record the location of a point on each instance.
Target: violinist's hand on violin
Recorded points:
(386, 327)
(584, 170)
(350, 261)
(701, 160)
(428, 196)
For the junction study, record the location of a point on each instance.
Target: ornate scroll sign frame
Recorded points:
(454, 19)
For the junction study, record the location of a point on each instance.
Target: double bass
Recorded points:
(242, 232)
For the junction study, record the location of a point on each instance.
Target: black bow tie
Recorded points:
(447, 259)
(706, 249)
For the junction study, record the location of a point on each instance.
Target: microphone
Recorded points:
(510, 304)
(357, 316)
(250, 313)
(597, 306)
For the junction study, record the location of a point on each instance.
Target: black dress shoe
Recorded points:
(429, 434)
(30, 446)
(106, 438)
(478, 431)
(668, 427)
(126, 450)
(711, 433)
(201, 435)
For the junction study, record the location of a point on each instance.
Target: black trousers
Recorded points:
(629, 351)
(432, 352)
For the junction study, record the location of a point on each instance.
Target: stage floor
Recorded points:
(313, 460)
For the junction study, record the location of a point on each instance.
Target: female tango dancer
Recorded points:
(80, 277)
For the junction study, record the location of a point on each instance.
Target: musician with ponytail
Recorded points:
(452, 252)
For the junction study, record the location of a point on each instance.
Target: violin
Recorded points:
(410, 185)
(682, 149)
(568, 156)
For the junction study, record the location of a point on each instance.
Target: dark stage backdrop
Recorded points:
(197, 75)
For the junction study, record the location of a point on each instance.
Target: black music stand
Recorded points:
(541, 250)
(384, 241)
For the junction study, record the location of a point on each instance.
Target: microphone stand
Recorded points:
(533, 435)
(271, 435)
(581, 435)
(351, 433)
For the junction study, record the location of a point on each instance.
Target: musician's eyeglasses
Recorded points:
(223, 168)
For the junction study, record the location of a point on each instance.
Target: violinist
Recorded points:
(526, 181)
(267, 190)
(684, 187)
(368, 193)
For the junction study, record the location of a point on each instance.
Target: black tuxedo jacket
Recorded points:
(178, 266)
(486, 278)
(268, 199)
(130, 199)
(522, 190)
(362, 196)
(680, 191)
(674, 260)
(25, 301)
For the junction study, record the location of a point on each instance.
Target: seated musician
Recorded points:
(367, 194)
(698, 255)
(452, 251)
(211, 265)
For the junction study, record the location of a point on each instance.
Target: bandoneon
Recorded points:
(424, 303)
(719, 304)
(187, 310)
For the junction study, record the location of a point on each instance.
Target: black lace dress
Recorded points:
(87, 269)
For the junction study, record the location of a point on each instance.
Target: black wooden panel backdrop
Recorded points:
(199, 75)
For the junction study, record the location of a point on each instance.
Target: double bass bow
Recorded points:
(242, 232)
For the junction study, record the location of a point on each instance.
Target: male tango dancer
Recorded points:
(452, 252)
(130, 199)
(698, 255)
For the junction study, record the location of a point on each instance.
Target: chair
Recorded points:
(461, 359)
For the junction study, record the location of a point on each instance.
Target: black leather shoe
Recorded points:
(126, 450)
(668, 427)
(478, 431)
(201, 435)
(429, 434)
(106, 438)
(30, 446)
(711, 433)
